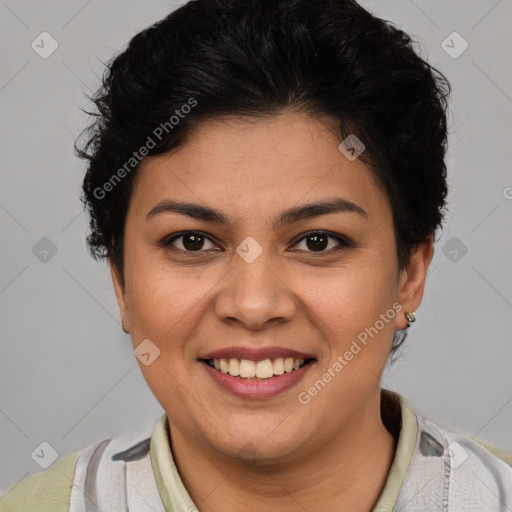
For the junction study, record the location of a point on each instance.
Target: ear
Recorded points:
(119, 289)
(412, 280)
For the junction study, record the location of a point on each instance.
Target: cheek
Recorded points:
(347, 310)
(163, 302)
(351, 299)
(165, 307)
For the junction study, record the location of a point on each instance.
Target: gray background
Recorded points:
(68, 375)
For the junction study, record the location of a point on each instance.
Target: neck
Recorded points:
(346, 472)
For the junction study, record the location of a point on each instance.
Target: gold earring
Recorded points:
(411, 317)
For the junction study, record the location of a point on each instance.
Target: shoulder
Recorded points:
(102, 476)
(99, 470)
(461, 451)
(46, 491)
(460, 470)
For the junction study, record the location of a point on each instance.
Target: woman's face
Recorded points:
(253, 282)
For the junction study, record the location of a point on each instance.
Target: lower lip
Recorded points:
(257, 389)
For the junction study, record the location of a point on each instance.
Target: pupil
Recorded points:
(319, 242)
(193, 242)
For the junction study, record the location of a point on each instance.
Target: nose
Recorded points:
(255, 294)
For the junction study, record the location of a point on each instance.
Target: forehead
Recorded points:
(257, 165)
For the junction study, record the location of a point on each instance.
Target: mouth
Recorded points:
(249, 370)
(256, 373)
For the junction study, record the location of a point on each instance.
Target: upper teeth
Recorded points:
(261, 369)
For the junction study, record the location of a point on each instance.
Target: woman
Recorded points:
(265, 179)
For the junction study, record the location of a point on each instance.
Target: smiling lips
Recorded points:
(256, 373)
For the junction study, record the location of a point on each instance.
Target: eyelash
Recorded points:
(342, 241)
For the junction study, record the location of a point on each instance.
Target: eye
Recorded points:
(188, 241)
(318, 241)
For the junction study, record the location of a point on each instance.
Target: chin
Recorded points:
(261, 443)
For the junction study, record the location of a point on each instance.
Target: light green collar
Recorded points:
(402, 459)
(172, 491)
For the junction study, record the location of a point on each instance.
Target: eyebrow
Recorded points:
(286, 218)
